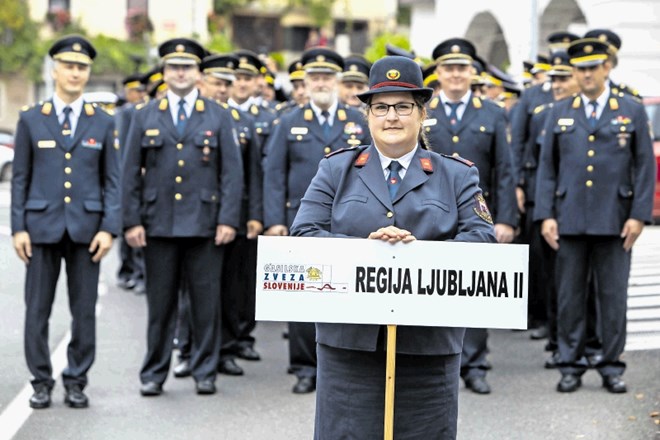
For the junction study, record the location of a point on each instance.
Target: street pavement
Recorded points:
(523, 405)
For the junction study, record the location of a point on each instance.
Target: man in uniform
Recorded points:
(299, 141)
(594, 195)
(299, 94)
(461, 124)
(64, 205)
(430, 78)
(181, 191)
(354, 80)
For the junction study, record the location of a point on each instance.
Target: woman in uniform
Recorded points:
(396, 191)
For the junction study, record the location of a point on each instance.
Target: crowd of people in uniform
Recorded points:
(207, 153)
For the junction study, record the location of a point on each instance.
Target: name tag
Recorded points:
(430, 122)
(566, 122)
(152, 132)
(299, 130)
(46, 144)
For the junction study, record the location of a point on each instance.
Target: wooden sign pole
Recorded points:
(389, 382)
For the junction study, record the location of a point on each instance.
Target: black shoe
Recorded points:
(74, 396)
(151, 389)
(569, 383)
(304, 385)
(539, 333)
(594, 359)
(477, 385)
(552, 361)
(41, 397)
(230, 367)
(205, 387)
(126, 284)
(614, 384)
(249, 354)
(140, 288)
(182, 369)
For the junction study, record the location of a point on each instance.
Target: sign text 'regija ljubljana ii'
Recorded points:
(371, 282)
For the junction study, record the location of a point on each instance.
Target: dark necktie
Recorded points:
(66, 123)
(181, 118)
(593, 116)
(453, 114)
(326, 124)
(394, 180)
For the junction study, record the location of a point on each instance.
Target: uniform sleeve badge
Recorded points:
(481, 209)
(362, 160)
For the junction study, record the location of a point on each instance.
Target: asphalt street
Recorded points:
(260, 405)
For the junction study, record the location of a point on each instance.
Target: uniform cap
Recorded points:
(496, 77)
(134, 81)
(181, 51)
(542, 64)
(454, 51)
(220, 66)
(356, 68)
(296, 72)
(395, 74)
(73, 49)
(606, 36)
(478, 71)
(588, 52)
(249, 63)
(322, 60)
(391, 49)
(560, 40)
(430, 76)
(561, 65)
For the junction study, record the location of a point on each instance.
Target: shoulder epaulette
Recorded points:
(140, 105)
(434, 102)
(341, 114)
(341, 150)
(499, 104)
(308, 115)
(199, 105)
(89, 109)
(27, 107)
(235, 114)
(576, 102)
(254, 109)
(459, 159)
(46, 108)
(476, 102)
(539, 109)
(162, 106)
(614, 104)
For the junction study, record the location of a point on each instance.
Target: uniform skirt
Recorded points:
(350, 395)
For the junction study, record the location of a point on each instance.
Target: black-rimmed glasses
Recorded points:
(400, 108)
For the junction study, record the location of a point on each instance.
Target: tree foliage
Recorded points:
(377, 49)
(17, 33)
(320, 11)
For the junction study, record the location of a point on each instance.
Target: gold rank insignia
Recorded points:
(576, 102)
(235, 114)
(614, 104)
(434, 102)
(199, 105)
(341, 114)
(47, 108)
(481, 209)
(254, 109)
(89, 109)
(308, 115)
(162, 106)
(539, 109)
(362, 159)
(427, 165)
(476, 102)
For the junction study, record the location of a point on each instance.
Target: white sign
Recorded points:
(361, 281)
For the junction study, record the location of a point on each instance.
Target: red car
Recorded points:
(652, 105)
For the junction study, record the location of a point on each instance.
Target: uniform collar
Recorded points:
(76, 106)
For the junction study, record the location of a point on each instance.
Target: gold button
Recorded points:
(623, 128)
(482, 129)
(181, 162)
(67, 185)
(590, 168)
(592, 138)
(214, 198)
(288, 204)
(178, 196)
(67, 156)
(206, 141)
(528, 164)
(178, 179)
(259, 130)
(327, 150)
(152, 142)
(241, 135)
(455, 155)
(455, 139)
(299, 138)
(591, 153)
(563, 128)
(390, 214)
(67, 199)
(589, 183)
(179, 146)
(67, 170)
(428, 129)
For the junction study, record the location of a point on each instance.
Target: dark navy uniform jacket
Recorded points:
(439, 200)
(593, 180)
(191, 183)
(479, 137)
(293, 152)
(58, 188)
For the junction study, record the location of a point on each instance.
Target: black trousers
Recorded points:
(40, 283)
(201, 261)
(132, 262)
(605, 259)
(473, 356)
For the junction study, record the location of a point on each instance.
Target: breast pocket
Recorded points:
(207, 144)
(151, 145)
(623, 135)
(482, 130)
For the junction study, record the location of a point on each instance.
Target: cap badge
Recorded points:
(299, 66)
(320, 58)
(76, 47)
(602, 37)
(243, 60)
(455, 48)
(230, 64)
(353, 68)
(180, 48)
(393, 74)
(566, 40)
(557, 60)
(588, 48)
